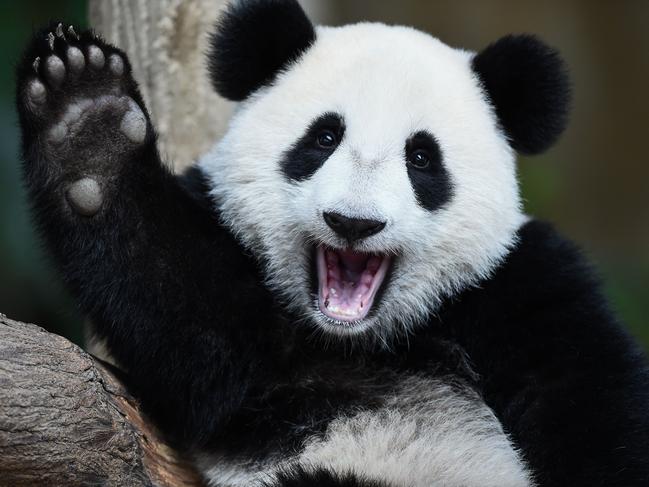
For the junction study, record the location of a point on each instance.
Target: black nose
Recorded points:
(352, 229)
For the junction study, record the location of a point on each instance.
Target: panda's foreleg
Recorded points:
(154, 270)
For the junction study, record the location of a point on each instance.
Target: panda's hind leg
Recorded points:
(82, 116)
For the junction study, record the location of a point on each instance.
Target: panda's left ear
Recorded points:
(527, 82)
(253, 42)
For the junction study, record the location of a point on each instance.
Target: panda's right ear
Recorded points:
(527, 82)
(253, 42)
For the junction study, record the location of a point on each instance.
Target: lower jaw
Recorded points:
(342, 328)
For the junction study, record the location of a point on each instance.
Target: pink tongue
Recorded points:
(348, 283)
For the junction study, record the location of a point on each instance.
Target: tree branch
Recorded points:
(66, 420)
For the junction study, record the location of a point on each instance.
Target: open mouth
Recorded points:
(348, 282)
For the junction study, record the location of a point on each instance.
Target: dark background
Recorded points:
(594, 184)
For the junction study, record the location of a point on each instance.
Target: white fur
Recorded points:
(222, 472)
(431, 433)
(388, 82)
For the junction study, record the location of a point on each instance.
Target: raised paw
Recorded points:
(81, 113)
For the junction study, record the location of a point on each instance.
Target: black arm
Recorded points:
(564, 378)
(150, 265)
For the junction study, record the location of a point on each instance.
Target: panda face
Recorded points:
(371, 178)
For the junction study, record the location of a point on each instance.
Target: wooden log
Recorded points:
(66, 420)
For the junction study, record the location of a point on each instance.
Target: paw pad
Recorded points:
(37, 93)
(77, 93)
(134, 123)
(60, 131)
(116, 64)
(96, 57)
(55, 70)
(85, 196)
(76, 60)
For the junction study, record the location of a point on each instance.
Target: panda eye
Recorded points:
(419, 159)
(326, 139)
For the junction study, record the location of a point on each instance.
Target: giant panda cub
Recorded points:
(344, 291)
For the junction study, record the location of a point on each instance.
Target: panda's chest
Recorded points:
(429, 432)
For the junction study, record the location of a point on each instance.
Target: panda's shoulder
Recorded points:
(196, 184)
(544, 288)
(543, 265)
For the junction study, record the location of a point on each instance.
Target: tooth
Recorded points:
(37, 63)
(50, 40)
(59, 31)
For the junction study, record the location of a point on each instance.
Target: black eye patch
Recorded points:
(309, 152)
(429, 178)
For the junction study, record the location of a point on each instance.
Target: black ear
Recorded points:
(254, 40)
(528, 84)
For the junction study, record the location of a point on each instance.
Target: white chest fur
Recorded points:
(432, 432)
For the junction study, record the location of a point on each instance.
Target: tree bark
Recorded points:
(66, 420)
(166, 41)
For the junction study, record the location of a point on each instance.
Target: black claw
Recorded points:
(72, 33)
(59, 31)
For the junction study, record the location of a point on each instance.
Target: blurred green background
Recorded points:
(594, 184)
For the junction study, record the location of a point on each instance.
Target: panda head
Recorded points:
(371, 168)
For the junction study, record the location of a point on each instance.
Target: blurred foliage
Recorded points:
(29, 287)
(594, 185)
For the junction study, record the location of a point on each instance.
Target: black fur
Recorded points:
(567, 382)
(432, 184)
(320, 477)
(217, 365)
(528, 84)
(305, 157)
(156, 304)
(254, 41)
